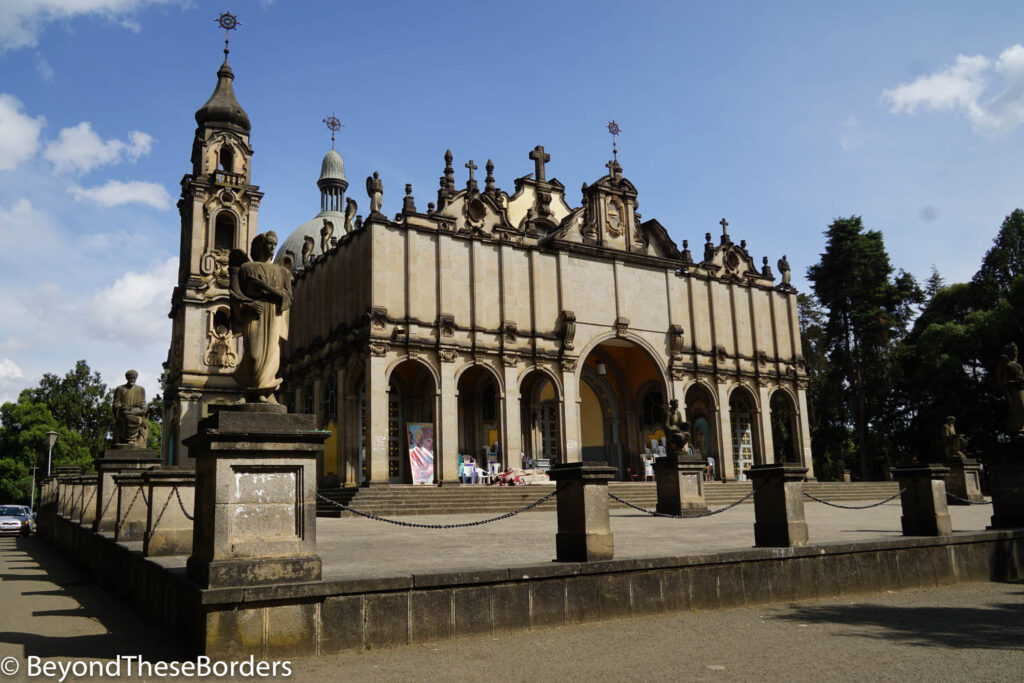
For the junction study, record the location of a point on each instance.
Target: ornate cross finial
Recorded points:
(725, 224)
(334, 125)
(614, 129)
(539, 159)
(472, 167)
(229, 22)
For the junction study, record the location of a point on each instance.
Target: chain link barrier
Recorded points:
(990, 502)
(130, 506)
(182, 505)
(162, 510)
(694, 515)
(855, 507)
(461, 525)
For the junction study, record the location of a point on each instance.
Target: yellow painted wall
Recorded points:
(592, 420)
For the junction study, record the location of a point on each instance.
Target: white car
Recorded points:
(16, 519)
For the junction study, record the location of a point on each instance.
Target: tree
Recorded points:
(868, 310)
(1005, 260)
(79, 401)
(933, 285)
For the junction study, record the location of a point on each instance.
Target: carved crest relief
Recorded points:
(568, 329)
(675, 342)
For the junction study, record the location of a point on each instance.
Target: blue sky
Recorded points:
(779, 118)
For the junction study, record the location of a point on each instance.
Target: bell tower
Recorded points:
(218, 209)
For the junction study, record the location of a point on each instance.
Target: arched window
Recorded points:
(653, 409)
(224, 231)
(329, 403)
(227, 159)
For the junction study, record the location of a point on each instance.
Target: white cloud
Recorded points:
(44, 69)
(79, 148)
(21, 21)
(115, 193)
(134, 308)
(849, 138)
(19, 133)
(961, 87)
(12, 380)
(9, 370)
(25, 231)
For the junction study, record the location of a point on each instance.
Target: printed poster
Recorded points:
(421, 451)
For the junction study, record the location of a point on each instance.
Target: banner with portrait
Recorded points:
(421, 451)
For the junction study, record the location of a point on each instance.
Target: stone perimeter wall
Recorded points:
(354, 614)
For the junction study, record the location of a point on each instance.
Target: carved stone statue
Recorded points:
(325, 236)
(784, 270)
(1010, 377)
(350, 214)
(261, 294)
(676, 430)
(375, 190)
(131, 419)
(952, 442)
(307, 251)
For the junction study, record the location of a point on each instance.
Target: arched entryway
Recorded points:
(480, 416)
(622, 403)
(540, 410)
(784, 427)
(700, 413)
(412, 398)
(746, 451)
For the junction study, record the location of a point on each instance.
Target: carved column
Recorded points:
(571, 412)
(377, 419)
(726, 471)
(765, 426)
(448, 421)
(511, 430)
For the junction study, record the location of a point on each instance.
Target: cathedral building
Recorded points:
(510, 327)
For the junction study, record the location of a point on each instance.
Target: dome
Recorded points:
(222, 107)
(310, 228)
(332, 168)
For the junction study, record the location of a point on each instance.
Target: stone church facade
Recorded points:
(514, 324)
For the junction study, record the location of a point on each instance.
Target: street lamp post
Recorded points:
(51, 438)
(32, 501)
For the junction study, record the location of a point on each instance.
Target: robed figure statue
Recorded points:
(261, 294)
(1010, 377)
(677, 431)
(131, 418)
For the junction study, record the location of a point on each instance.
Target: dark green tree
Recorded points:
(1004, 261)
(79, 401)
(868, 311)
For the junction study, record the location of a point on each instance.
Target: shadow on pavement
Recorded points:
(993, 626)
(58, 632)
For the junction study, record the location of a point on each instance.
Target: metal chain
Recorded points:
(966, 500)
(85, 506)
(462, 525)
(130, 506)
(162, 510)
(856, 507)
(182, 505)
(110, 499)
(994, 500)
(696, 515)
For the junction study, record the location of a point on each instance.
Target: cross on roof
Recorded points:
(613, 169)
(472, 167)
(539, 159)
(724, 223)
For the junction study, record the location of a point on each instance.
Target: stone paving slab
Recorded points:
(352, 547)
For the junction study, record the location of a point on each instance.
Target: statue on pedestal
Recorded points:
(676, 431)
(131, 418)
(261, 294)
(952, 442)
(1010, 377)
(375, 190)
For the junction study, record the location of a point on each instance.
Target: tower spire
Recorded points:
(614, 129)
(334, 125)
(228, 22)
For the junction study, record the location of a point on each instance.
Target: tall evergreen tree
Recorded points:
(1005, 260)
(868, 310)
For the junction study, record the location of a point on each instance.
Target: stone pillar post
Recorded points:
(86, 513)
(964, 481)
(779, 505)
(924, 500)
(74, 511)
(171, 492)
(764, 426)
(726, 471)
(804, 437)
(65, 490)
(584, 532)
(680, 484)
(255, 506)
(1005, 469)
(132, 506)
(113, 461)
(447, 423)
(512, 427)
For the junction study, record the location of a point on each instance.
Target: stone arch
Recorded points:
(413, 391)
(413, 359)
(744, 422)
(480, 409)
(785, 425)
(488, 367)
(541, 415)
(551, 374)
(700, 408)
(656, 355)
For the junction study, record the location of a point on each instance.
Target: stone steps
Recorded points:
(405, 500)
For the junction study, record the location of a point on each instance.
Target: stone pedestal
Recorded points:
(1005, 469)
(964, 481)
(132, 506)
(172, 504)
(74, 506)
(680, 484)
(255, 506)
(114, 460)
(924, 499)
(584, 532)
(65, 488)
(86, 512)
(779, 505)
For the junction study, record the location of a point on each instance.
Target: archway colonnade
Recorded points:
(608, 407)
